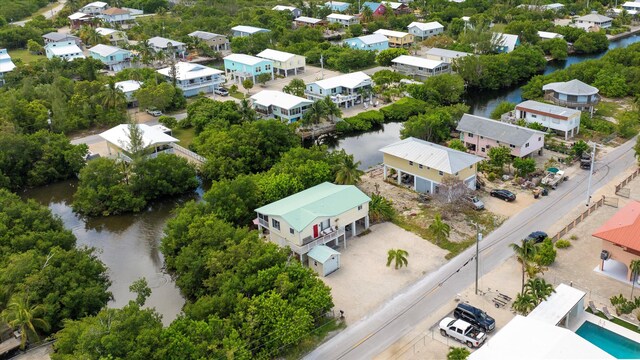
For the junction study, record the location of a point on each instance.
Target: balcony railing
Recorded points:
(263, 222)
(310, 242)
(594, 101)
(198, 84)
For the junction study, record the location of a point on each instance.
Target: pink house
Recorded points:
(479, 134)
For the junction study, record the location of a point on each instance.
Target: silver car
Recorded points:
(475, 202)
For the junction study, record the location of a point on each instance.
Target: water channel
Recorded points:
(129, 244)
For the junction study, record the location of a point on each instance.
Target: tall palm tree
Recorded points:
(90, 36)
(367, 14)
(332, 110)
(398, 256)
(112, 97)
(525, 254)
(347, 172)
(523, 303)
(634, 266)
(539, 289)
(315, 113)
(19, 315)
(439, 229)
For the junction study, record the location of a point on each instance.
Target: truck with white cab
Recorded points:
(462, 331)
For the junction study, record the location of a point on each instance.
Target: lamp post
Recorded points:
(478, 238)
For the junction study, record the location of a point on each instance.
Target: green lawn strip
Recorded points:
(314, 338)
(237, 95)
(618, 321)
(185, 136)
(25, 56)
(606, 109)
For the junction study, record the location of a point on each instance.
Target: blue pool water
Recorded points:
(616, 345)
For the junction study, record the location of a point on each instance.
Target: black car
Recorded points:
(475, 316)
(503, 194)
(537, 236)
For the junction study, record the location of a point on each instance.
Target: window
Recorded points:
(325, 224)
(259, 69)
(359, 207)
(470, 135)
(411, 163)
(481, 137)
(420, 166)
(526, 145)
(267, 67)
(512, 146)
(291, 230)
(488, 147)
(440, 173)
(482, 149)
(534, 116)
(539, 138)
(275, 224)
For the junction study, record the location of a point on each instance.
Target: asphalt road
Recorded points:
(47, 14)
(372, 335)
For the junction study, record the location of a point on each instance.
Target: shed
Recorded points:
(324, 260)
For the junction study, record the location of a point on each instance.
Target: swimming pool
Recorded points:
(616, 345)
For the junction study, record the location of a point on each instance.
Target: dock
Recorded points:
(316, 131)
(634, 30)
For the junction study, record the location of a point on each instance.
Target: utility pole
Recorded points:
(593, 158)
(478, 238)
(321, 66)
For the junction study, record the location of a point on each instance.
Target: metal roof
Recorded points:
(245, 59)
(597, 18)
(417, 62)
(119, 136)
(248, 29)
(323, 200)
(508, 40)
(393, 33)
(204, 35)
(350, 81)
(56, 36)
(163, 43)
(78, 16)
(128, 85)
(553, 110)
(496, 130)
(284, 7)
(105, 50)
(431, 155)
(99, 4)
(549, 35)
(370, 39)
(275, 55)
(188, 71)
(557, 305)
(571, 87)
(67, 49)
(278, 98)
(446, 53)
(623, 228)
(106, 31)
(308, 20)
(340, 16)
(322, 253)
(426, 26)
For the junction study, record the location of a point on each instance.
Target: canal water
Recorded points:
(364, 147)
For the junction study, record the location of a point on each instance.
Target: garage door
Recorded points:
(423, 185)
(331, 264)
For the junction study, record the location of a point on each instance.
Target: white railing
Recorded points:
(263, 222)
(317, 241)
(188, 154)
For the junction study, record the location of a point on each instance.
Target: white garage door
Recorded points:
(331, 264)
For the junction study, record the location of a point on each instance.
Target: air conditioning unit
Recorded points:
(605, 255)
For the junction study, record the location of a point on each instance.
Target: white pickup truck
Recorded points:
(462, 331)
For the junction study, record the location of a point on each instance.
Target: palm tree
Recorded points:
(458, 353)
(332, 110)
(19, 315)
(246, 112)
(523, 303)
(367, 14)
(380, 209)
(112, 97)
(315, 113)
(539, 289)
(347, 172)
(90, 36)
(634, 267)
(439, 229)
(398, 256)
(525, 255)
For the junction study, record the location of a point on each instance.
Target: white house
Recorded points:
(632, 7)
(128, 87)
(115, 36)
(425, 30)
(284, 63)
(295, 12)
(560, 119)
(593, 22)
(193, 79)
(279, 105)
(58, 37)
(67, 50)
(445, 55)
(94, 8)
(419, 67)
(308, 21)
(6, 65)
(505, 43)
(345, 90)
(160, 44)
(154, 141)
(243, 30)
(343, 19)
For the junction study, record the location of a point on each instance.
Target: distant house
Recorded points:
(373, 42)
(419, 67)
(397, 39)
(344, 90)
(215, 41)
(295, 12)
(284, 63)
(194, 79)
(58, 37)
(128, 87)
(425, 30)
(6, 65)
(546, 35)
(593, 22)
(620, 237)
(94, 8)
(241, 67)
(242, 30)
(337, 6)
(631, 7)
(421, 165)
(115, 36)
(116, 16)
(79, 19)
(557, 118)
(444, 55)
(154, 141)
(530, 7)
(279, 105)
(113, 57)
(480, 134)
(67, 50)
(308, 21)
(506, 43)
(573, 94)
(342, 19)
(160, 44)
(398, 8)
(325, 214)
(377, 9)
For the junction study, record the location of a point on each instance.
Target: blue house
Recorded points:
(193, 79)
(241, 67)
(113, 57)
(337, 6)
(373, 42)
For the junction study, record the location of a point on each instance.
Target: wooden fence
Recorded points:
(593, 207)
(627, 180)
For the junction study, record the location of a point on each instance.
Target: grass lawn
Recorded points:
(607, 109)
(237, 95)
(185, 136)
(25, 56)
(618, 321)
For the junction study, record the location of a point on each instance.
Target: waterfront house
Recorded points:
(6, 65)
(418, 67)
(631, 7)
(377, 9)
(194, 79)
(620, 237)
(421, 165)
(397, 39)
(116, 16)
(284, 63)
(547, 35)
(94, 8)
(593, 22)
(344, 90)
(66, 50)
(168, 46)
(479, 134)
(308, 21)
(129, 87)
(444, 55)
(338, 6)
(505, 43)
(342, 19)
(154, 141)
(53, 37)
(295, 12)
(560, 119)
(216, 42)
(279, 105)
(326, 214)
(373, 42)
(115, 36)
(573, 94)
(240, 67)
(425, 30)
(243, 30)
(113, 57)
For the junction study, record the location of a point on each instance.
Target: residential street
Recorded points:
(47, 15)
(369, 337)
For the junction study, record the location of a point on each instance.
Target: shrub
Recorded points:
(361, 122)
(563, 244)
(168, 121)
(546, 253)
(403, 109)
(574, 237)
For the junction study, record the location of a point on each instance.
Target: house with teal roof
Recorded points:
(326, 214)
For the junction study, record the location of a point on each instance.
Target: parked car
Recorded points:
(503, 194)
(221, 91)
(462, 331)
(537, 236)
(474, 316)
(475, 202)
(154, 112)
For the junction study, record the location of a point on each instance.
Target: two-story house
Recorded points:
(479, 134)
(573, 94)
(425, 30)
(557, 118)
(295, 12)
(284, 63)
(397, 39)
(194, 79)
(94, 8)
(279, 105)
(128, 88)
(418, 67)
(337, 6)
(79, 19)
(377, 9)
(373, 42)
(421, 165)
(58, 37)
(398, 8)
(324, 214)
(6, 65)
(241, 66)
(168, 46)
(115, 37)
(243, 30)
(343, 19)
(66, 50)
(113, 57)
(215, 41)
(116, 16)
(154, 141)
(445, 55)
(593, 22)
(344, 90)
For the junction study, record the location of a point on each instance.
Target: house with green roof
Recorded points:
(326, 214)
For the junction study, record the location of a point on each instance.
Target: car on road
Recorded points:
(537, 236)
(475, 202)
(503, 194)
(154, 112)
(474, 316)
(462, 331)
(221, 91)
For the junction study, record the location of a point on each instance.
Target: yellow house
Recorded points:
(284, 63)
(324, 214)
(421, 165)
(398, 39)
(116, 37)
